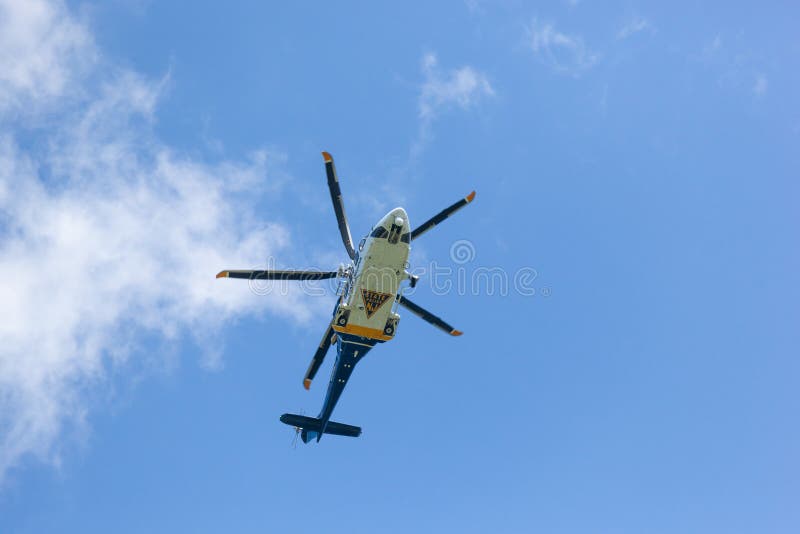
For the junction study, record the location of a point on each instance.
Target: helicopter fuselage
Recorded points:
(365, 314)
(381, 260)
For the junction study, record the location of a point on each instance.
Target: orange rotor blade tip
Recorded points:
(307, 383)
(222, 274)
(470, 196)
(327, 157)
(456, 333)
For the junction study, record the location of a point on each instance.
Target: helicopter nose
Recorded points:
(397, 217)
(396, 224)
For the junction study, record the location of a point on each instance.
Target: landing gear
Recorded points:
(391, 325)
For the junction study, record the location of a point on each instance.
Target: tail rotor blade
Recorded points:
(429, 317)
(441, 216)
(278, 275)
(338, 205)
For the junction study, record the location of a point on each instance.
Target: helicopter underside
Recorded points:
(366, 309)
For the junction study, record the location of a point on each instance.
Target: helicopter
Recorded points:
(361, 317)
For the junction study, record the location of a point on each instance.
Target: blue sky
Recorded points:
(641, 159)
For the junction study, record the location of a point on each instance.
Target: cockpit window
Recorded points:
(361, 245)
(379, 232)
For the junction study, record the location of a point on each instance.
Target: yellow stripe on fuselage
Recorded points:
(364, 331)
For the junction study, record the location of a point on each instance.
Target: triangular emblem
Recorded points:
(373, 301)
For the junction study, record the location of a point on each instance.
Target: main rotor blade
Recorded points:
(442, 215)
(338, 205)
(428, 316)
(319, 356)
(322, 350)
(278, 275)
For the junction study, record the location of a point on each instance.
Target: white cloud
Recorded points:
(563, 52)
(106, 233)
(636, 25)
(760, 85)
(42, 52)
(462, 87)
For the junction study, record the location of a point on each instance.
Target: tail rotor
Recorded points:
(297, 431)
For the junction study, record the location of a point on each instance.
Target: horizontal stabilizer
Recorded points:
(312, 427)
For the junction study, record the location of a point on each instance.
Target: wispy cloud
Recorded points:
(461, 87)
(473, 6)
(106, 233)
(636, 25)
(760, 86)
(712, 48)
(735, 65)
(565, 53)
(42, 52)
(441, 91)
